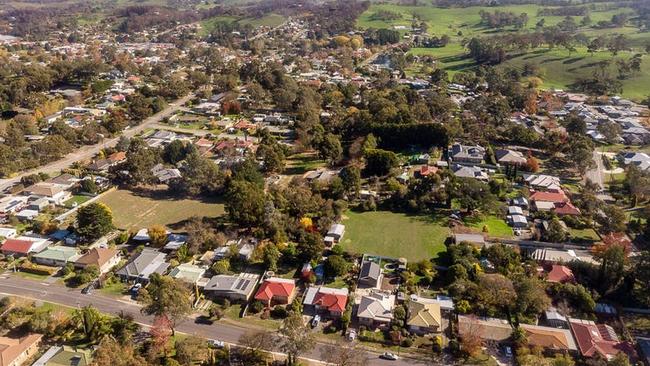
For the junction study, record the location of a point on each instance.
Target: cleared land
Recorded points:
(394, 234)
(269, 20)
(133, 211)
(496, 226)
(559, 67)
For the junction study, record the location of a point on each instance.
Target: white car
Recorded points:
(216, 344)
(389, 356)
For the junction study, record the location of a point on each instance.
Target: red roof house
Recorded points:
(426, 170)
(560, 274)
(598, 339)
(276, 290)
(329, 300)
(22, 246)
(566, 209)
(549, 196)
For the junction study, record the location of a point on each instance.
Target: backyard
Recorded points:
(134, 210)
(496, 227)
(384, 233)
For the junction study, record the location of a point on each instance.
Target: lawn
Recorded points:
(78, 199)
(496, 227)
(300, 164)
(583, 235)
(133, 211)
(115, 289)
(394, 234)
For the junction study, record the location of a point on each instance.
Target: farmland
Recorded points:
(559, 68)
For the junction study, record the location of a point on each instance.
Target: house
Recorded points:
(237, 287)
(376, 309)
(15, 351)
(598, 339)
(66, 181)
(175, 241)
(510, 157)
(246, 251)
(517, 221)
(549, 338)
(325, 300)
(543, 206)
(24, 245)
(466, 154)
(143, 265)
(26, 215)
(8, 232)
(566, 209)
(519, 202)
(57, 256)
(644, 346)
(555, 319)
(276, 290)
(474, 172)
(560, 274)
(38, 205)
(490, 329)
(104, 258)
(370, 275)
(426, 170)
(542, 182)
(64, 356)
(424, 317)
(515, 210)
(12, 204)
(554, 196)
(334, 234)
(187, 272)
(52, 192)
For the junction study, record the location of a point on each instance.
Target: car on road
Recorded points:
(216, 343)
(352, 335)
(315, 321)
(389, 356)
(87, 290)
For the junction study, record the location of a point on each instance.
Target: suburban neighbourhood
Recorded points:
(299, 182)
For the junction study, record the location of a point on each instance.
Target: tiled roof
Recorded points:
(275, 287)
(17, 246)
(560, 273)
(97, 256)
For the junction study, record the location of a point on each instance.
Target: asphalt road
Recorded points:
(14, 285)
(87, 152)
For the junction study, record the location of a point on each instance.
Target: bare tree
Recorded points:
(342, 354)
(255, 346)
(294, 337)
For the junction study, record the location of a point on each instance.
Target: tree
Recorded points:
(613, 219)
(612, 266)
(310, 247)
(380, 162)
(532, 164)
(123, 327)
(351, 179)
(344, 354)
(610, 130)
(93, 324)
(112, 353)
(255, 345)
(496, 293)
(166, 297)
(191, 350)
(335, 266)
(294, 337)
(555, 232)
(531, 297)
(140, 160)
(271, 255)
(157, 236)
(94, 221)
(245, 202)
(330, 148)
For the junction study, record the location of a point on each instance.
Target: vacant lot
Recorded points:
(133, 211)
(394, 235)
(496, 227)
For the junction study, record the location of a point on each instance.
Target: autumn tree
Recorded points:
(112, 353)
(157, 236)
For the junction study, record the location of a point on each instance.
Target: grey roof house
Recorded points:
(466, 154)
(143, 265)
(370, 274)
(237, 287)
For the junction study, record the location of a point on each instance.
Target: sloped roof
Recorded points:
(424, 315)
(17, 246)
(555, 197)
(333, 299)
(272, 287)
(377, 307)
(97, 256)
(370, 269)
(559, 273)
(11, 348)
(60, 253)
(549, 338)
(599, 339)
(144, 264)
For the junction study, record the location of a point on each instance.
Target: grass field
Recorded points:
(394, 235)
(496, 226)
(584, 235)
(132, 211)
(559, 68)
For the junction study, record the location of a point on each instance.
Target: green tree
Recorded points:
(335, 265)
(613, 219)
(271, 254)
(94, 221)
(612, 266)
(330, 148)
(245, 202)
(380, 162)
(191, 350)
(166, 297)
(555, 232)
(92, 324)
(351, 179)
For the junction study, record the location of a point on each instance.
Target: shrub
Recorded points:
(407, 342)
(215, 312)
(279, 312)
(256, 306)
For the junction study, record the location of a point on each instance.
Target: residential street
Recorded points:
(596, 174)
(87, 152)
(11, 284)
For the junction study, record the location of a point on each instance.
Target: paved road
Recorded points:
(87, 152)
(11, 284)
(596, 175)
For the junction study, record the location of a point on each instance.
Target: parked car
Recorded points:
(216, 344)
(352, 335)
(315, 321)
(389, 356)
(87, 290)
